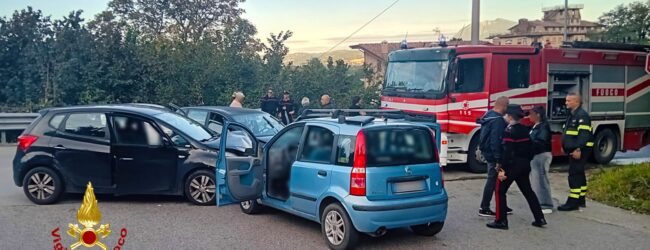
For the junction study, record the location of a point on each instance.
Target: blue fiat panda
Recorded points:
(350, 174)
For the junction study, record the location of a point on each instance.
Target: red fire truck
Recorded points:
(461, 83)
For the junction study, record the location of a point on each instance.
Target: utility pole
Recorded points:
(566, 19)
(476, 11)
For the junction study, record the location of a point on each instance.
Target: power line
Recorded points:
(360, 28)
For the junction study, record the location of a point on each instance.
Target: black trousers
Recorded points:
(520, 175)
(577, 178)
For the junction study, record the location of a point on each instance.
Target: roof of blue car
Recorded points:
(353, 128)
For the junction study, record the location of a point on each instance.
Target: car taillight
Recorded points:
(25, 141)
(435, 147)
(442, 176)
(358, 175)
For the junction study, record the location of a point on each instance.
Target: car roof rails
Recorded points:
(370, 114)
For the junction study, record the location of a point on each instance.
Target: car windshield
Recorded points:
(261, 124)
(185, 125)
(416, 77)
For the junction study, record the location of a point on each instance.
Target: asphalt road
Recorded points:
(155, 222)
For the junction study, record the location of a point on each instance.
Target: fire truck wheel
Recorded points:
(605, 146)
(473, 164)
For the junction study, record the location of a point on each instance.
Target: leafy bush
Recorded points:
(626, 187)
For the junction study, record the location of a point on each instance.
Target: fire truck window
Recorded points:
(518, 73)
(469, 77)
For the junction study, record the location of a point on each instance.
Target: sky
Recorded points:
(318, 25)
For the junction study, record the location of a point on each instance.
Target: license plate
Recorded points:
(408, 186)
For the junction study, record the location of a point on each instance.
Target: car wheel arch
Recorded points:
(333, 198)
(26, 170)
(190, 172)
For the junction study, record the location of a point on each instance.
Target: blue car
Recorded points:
(350, 174)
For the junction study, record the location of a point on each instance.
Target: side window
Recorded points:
(86, 124)
(318, 145)
(215, 123)
(177, 139)
(518, 73)
(55, 122)
(469, 76)
(198, 115)
(135, 131)
(284, 150)
(345, 150)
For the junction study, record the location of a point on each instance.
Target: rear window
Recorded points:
(399, 147)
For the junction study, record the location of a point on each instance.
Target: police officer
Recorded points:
(514, 166)
(577, 142)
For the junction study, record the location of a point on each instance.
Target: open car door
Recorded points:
(239, 178)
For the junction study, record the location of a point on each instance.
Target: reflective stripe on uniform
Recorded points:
(585, 127)
(583, 188)
(576, 196)
(571, 132)
(576, 190)
(583, 194)
(590, 144)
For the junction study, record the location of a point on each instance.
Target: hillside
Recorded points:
(353, 57)
(488, 28)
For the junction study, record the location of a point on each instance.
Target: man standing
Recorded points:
(492, 127)
(286, 108)
(577, 142)
(269, 103)
(325, 102)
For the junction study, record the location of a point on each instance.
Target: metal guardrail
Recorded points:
(12, 122)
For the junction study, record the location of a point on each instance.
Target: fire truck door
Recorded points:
(468, 92)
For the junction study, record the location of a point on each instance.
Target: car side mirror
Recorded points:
(166, 142)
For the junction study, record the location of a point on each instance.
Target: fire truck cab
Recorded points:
(460, 84)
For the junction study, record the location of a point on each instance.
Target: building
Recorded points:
(376, 54)
(550, 30)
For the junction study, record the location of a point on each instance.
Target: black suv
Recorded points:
(121, 149)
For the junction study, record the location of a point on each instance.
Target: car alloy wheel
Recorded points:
(246, 205)
(41, 186)
(202, 188)
(334, 227)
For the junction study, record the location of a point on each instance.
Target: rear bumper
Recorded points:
(368, 216)
(17, 166)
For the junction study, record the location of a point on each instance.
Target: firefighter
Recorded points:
(577, 142)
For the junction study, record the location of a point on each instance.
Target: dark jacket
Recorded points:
(285, 108)
(269, 105)
(576, 131)
(492, 126)
(354, 106)
(327, 106)
(517, 149)
(540, 135)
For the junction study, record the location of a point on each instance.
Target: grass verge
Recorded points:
(627, 187)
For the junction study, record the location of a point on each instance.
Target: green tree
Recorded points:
(625, 24)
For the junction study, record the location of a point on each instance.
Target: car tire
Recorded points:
(337, 228)
(605, 146)
(43, 185)
(474, 165)
(429, 229)
(200, 188)
(250, 207)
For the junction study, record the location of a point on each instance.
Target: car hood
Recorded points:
(236, 141)
(264, 139)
